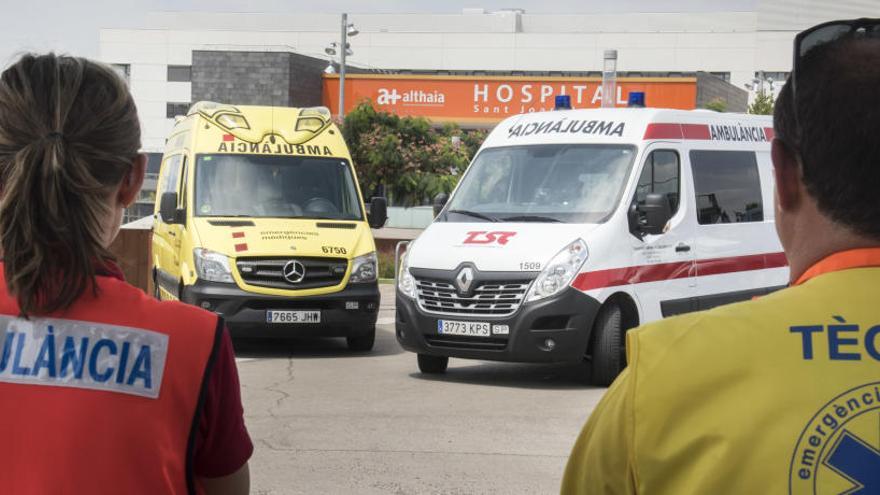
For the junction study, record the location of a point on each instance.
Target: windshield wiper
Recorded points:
(474, 214)
(531, 218)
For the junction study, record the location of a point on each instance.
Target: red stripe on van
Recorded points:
(695, 131)
(677, 131)
(241, 247)
(769, 133)
(237, 235)
(670, 271)
(663, 131)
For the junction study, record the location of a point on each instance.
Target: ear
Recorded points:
(132, 182)
(787, 175)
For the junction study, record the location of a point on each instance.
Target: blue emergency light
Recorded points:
(636, 99)
(563, 102)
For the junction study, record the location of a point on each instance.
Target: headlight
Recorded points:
(211, 266)
(559, 272)
(406, 284)
(364, 269)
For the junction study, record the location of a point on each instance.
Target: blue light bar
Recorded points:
(636, 99)
(563, 102)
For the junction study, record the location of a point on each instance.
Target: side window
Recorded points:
(727, 186)
(660, 175)
(170, 173)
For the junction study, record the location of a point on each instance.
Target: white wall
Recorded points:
(740, 43)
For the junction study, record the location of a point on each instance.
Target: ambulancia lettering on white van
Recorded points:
(571, 227)
(607, 128)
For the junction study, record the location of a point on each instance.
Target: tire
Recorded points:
(433, 365)
(363, 342)
(609, 357)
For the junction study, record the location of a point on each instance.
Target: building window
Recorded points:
(124, 70)
(173, 109)
(724, 76)
(727, 186)
(179, 73)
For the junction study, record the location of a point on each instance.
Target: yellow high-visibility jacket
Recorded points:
(777, 395)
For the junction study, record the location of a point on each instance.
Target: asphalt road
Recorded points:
(326, 420)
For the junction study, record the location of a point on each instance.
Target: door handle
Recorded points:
(172, 234)
(682, 248)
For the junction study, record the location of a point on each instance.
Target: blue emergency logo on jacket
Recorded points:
(839, 450)
(79, 354)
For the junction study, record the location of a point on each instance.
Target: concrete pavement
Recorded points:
(325, 420)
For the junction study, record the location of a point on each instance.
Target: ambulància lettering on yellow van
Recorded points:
(571, 227)
(259, 218)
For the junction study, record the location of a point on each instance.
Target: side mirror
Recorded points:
(633, 217)
(378, 214)
(657, 213)
(168, 208)
(439, 202)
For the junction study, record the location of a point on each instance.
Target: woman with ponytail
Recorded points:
(102, 389)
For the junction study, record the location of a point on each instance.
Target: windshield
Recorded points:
(543, 183)
(275, 186)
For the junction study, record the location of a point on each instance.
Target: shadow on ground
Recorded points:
(515, 375)
(386, 345)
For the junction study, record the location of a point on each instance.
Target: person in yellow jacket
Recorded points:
(780, 394)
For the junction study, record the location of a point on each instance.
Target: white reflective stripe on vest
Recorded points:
(81, 354)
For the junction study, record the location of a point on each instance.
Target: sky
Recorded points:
(72, 26)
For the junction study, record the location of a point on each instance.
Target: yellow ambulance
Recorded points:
(260, 219)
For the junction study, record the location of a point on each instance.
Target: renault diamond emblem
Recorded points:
(464, 279)
(293, 271)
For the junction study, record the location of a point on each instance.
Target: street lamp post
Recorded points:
(346, 31)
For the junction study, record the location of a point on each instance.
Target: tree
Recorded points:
(717, 104)
(763, 103)
(406, 157)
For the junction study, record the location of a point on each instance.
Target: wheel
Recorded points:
(363, 342)
(433, 365)
(609, 350)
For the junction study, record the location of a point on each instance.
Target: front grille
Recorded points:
(267, 272)
(470, 343)
(495, 298)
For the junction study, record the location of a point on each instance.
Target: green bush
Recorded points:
(386, 264)
(717, 104)
(406, 156)
(763, 104)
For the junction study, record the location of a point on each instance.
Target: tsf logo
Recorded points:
(487, 238)
(387, 97)
(839, 450)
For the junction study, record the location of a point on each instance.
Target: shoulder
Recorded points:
(714, 342)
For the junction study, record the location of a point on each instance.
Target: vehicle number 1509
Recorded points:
(530, 266)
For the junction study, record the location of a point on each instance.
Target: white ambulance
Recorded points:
(571, 227)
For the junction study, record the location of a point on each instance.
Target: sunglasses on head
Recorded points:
(829, 32)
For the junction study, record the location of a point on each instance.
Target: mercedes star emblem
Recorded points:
(293, 271)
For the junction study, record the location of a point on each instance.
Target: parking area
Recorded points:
(326, 420)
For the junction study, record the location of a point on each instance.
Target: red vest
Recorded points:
(103, 397)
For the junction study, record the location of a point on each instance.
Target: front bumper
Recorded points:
(566, 319)
(245, 312)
